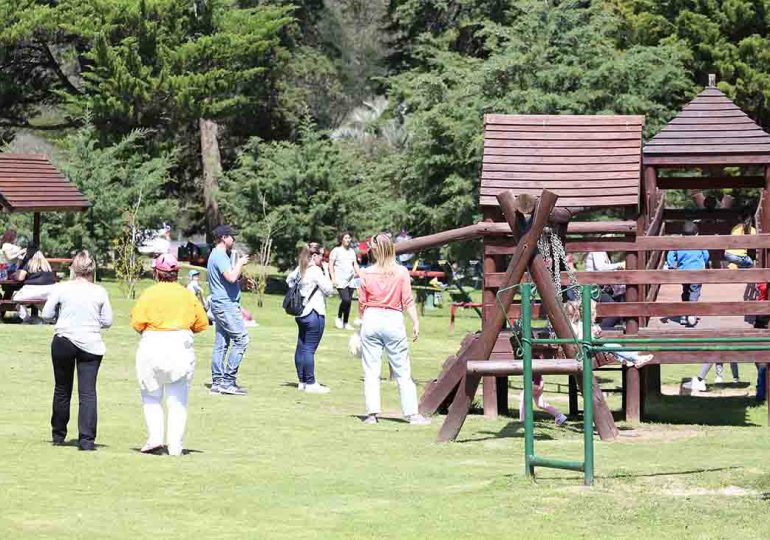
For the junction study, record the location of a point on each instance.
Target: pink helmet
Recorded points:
(165, 262)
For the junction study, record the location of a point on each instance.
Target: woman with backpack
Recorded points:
(311, 280)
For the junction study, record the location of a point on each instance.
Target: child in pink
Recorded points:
(538, 383)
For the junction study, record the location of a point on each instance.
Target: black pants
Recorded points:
(346, 297)
(66, 357)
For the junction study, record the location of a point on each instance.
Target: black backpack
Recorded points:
(293, 303)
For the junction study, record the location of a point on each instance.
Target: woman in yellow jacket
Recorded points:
(166, 315)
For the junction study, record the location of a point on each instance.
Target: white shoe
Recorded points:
(718, 380)
(419, 420)
(370, 419)
(698, 385)
(338, 323)
(692, 321)
(560, 419)
(358, 322)
(316, 388)
(301, 386)
(349, 327)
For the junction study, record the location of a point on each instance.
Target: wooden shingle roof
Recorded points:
(710, 130)
(587, 160)
(30, 183)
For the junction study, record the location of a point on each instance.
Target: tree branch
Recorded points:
(54, 64)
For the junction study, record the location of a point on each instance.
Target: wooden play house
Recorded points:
(597, 163)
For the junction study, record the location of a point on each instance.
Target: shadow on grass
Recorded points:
(163, 451)
(710, 411)
(515, 430)
(74, 443)
(362, 417)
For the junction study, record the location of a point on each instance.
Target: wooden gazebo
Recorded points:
(30, 183)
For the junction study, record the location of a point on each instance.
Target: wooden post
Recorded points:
(766, 213)
(489, 385)
(482, 347)
(36, 229)
(633, 389)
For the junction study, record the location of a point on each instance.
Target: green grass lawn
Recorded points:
(283, 464)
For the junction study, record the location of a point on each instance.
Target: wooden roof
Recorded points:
(710, 130)
(587, 160)
(30, 183)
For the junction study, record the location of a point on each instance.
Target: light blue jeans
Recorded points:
(231, 333)
(383, 329)
(742, 261)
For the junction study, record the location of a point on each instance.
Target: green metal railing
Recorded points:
(587, 347)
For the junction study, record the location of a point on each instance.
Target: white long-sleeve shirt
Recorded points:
(314, 277)
(84, 309)
(599, 261)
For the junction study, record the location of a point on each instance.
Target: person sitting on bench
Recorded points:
(38, 280)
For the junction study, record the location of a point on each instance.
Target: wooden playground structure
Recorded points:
(575, 164)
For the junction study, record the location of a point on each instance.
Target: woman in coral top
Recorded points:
(384, 294)
(166, 315)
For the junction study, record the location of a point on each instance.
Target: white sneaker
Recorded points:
(560, 419)
(338, 323)
(358, 322)
(370, 419)
(301, 387)
(316, 388)
(349, 327)
(718, 380)
(419, 420)
(692, 321)
(698, 385)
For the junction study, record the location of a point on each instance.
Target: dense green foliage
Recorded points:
(352, 113)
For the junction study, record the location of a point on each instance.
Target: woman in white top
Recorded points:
(314, 286)
(343, 268)
(84, 309)
(599, 261)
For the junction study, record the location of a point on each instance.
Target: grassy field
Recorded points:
(283, 464)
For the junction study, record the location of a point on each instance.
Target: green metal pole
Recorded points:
(588, 388)
(526, 348)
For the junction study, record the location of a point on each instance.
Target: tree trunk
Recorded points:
(212, 171)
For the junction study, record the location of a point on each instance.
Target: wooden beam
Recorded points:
(673, 309)
(698, 357)
(36, 225)
(699, 160)
(711, 182)
(652, 277)
(556, 366)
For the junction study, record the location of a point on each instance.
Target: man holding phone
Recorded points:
(224, 272)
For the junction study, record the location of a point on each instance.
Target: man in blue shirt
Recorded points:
(689, 259)
(225, 289)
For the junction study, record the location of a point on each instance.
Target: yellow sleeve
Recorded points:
(139, 318)
(201, 321)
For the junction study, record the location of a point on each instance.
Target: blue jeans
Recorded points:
(761, 390)
(742, 261)
(231, 333)
(311, 330)
(690, 292)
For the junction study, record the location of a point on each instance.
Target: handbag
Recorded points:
(293, 303)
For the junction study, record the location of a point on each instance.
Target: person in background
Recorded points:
(688, 259)
(739, 257)
(83, 311)
(38, 279)
(314, 285)
(10, 253)
(404, 258)
(538, 385)
(224, 285)
(385, 293)
(166, 315)
(194, 286)
(761, 321)
(343, 270)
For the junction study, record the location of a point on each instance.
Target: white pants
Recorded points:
(384, 329)
(30, 292)
(165, 362)
(176, 402)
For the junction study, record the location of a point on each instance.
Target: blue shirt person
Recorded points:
(688, 259)
(224, 275)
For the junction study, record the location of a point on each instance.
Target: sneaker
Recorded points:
(215, 388)
(301, 387)
(698, 385)
(349, 327)
(338, 323)
(692, 321)
(316, 388)
(736, 380)
(718, 380)
(232, 390)
(560, 419)
(358, 322)
(419, 420)
(370, 419)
